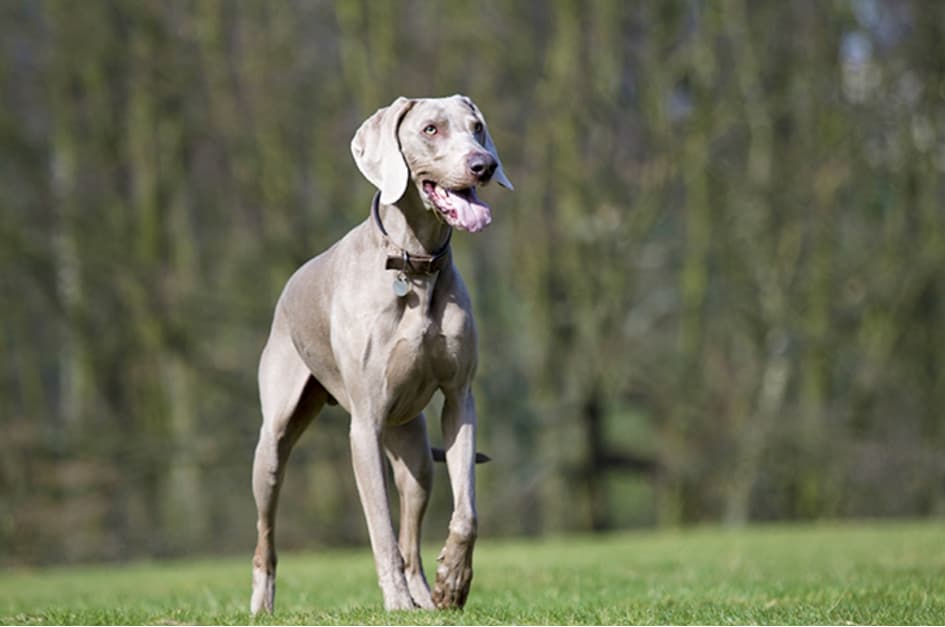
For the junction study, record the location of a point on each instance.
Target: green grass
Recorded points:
(825, 574)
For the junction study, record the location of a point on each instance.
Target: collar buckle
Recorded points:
(406, 262)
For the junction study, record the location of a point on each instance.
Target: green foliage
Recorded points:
(836, 574)
(715, 295)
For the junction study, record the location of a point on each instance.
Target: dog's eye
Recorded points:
(477, 127)
(429, 129)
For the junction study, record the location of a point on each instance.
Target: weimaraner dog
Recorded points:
(378, 323)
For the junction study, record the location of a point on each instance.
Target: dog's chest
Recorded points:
(426, 352)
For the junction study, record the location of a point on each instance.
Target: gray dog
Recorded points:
(378, 323)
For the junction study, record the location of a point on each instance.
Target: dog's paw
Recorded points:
(264, 592)
(420, 592)
(400, 602)
(453, 575)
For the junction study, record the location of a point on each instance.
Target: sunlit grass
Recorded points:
(829, 574)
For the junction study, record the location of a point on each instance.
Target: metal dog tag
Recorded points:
(401, 285)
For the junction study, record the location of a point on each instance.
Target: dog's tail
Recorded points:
(439, 455)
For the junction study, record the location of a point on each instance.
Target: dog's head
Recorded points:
(442, 145)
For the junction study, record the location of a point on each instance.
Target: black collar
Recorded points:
(410, 263)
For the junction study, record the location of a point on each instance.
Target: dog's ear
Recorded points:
(499, 176)
(376, 151)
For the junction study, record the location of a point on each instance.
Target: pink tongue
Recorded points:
(468, 212)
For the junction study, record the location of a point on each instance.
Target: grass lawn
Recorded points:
(879, 573)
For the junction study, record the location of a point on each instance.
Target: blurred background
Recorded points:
(717, 294)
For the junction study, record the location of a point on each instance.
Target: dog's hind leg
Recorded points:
(290, 398)
(408, 450)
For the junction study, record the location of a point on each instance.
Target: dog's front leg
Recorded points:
(370, 475)
(454, 568)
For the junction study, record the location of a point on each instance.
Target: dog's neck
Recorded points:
(410, 225)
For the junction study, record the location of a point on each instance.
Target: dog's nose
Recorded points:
(482, 165)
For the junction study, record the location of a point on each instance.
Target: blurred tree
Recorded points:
(716, 294)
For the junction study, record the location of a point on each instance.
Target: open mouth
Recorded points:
(459, 207)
